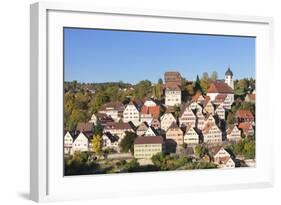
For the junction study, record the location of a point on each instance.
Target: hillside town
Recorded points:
(172, 125)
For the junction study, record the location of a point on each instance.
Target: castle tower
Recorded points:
(228, 78)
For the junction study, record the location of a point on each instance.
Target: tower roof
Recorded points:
(229, 72)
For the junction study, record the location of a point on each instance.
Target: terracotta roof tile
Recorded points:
(220, 87)
(244, 114)
(153, 110)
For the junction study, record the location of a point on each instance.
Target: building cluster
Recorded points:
(201, 120)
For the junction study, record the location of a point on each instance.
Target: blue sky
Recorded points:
(92, 55)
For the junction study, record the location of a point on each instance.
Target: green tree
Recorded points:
(176, 111)
(200, 151)
(127, 143)
(142, 89)
(158, 159)
(75, 117)
(99, 99)
(230, 118)
(97, 129)
(197, 86)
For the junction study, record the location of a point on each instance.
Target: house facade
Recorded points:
(191, 137)
(155, 123)
(131, 114)
(220, 111)
(146, 147)
(223, 159)
(118, 129)
(142, 128)
(166, 120)
(208, 106)
(175, 133)
(187, 117)
(200, 120)
(233, 133)
(81, 143)
(113, 109)
(172, 96)
(247, 128)
(109, 141)
(150, 132)
(68, 141)
(218, 88)
(212, 134)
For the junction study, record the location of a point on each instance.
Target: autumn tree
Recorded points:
(190, 89)
(97, 144)
(214, 76)
(205, 76)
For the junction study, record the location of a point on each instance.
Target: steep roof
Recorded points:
(111, 137)
(153, 110)
(220, 98)
(196, 96)
(229, 72)
(245, 126)
(220, 87)
(173, 126)
(84, 126)
(113, 105)
(149, 140)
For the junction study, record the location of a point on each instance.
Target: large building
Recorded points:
(146, 147)
(175, 133)
(172, 95)
(113, 109)
(218, 88)
(132, 113)
(173, 78)
(172, 90)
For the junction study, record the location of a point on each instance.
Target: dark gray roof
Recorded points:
(229, 72)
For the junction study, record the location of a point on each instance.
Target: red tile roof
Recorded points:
(220, 87)
(149, 140)
(246, 114)
(153, 110)
(196, 96)
(245, 126)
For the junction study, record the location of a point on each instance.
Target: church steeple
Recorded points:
(228, 78)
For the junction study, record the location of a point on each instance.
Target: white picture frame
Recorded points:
(47, 182)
